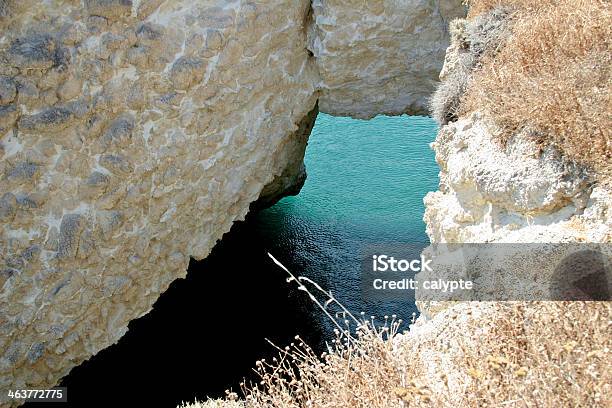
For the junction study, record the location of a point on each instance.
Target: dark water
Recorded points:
(366, 183)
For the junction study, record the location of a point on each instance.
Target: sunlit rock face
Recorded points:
(497, 188)
(293, 176)
(379, 56)
(134, 133)
(517, 192)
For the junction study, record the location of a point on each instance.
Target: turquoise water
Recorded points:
(366, 183)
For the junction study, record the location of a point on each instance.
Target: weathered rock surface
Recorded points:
(293, 177)
(379, 56)
(518, 192)
(495, 189)
(512, 193)
(137, 142)
(488, 192)
(133, 133)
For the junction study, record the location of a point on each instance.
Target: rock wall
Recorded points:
(137, 135)
(517, 191)
(133, 133)
(379, 56)
(293, 176)
(496, 189)
(513, 193)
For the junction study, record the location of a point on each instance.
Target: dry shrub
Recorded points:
(545, 354)
(361, 371)
(514, 354)
(217, 403)
(553, 77)
(521, 354)
(478, 7)
(473, 354)
(445, 103)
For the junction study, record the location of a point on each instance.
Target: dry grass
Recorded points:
(361, 371)
(539, 354)
(214, 404)
(552, 76)
(557, 354)
(478, 7)
(445, 104)
(471, 40)
(473, 354)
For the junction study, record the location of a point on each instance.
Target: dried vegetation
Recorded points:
(549, 73)
(479, 354)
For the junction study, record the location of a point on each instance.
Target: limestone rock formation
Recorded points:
(512, 193)
(500, 188)
(379, 56)
(489, 191)
(133, 133)
(292, 179)
(136, 137)
(517, 191)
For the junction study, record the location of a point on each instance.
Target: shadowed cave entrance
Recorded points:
(366, 181)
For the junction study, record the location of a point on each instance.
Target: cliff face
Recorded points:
(517, 192)
(498, 186)
(133, 133)
(136, 135)
(501, 351)
(512, 193)
(511, 189)
(378, 57)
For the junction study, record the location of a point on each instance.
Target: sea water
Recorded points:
(366, 183)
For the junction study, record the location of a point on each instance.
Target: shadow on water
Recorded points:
(205, 332)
